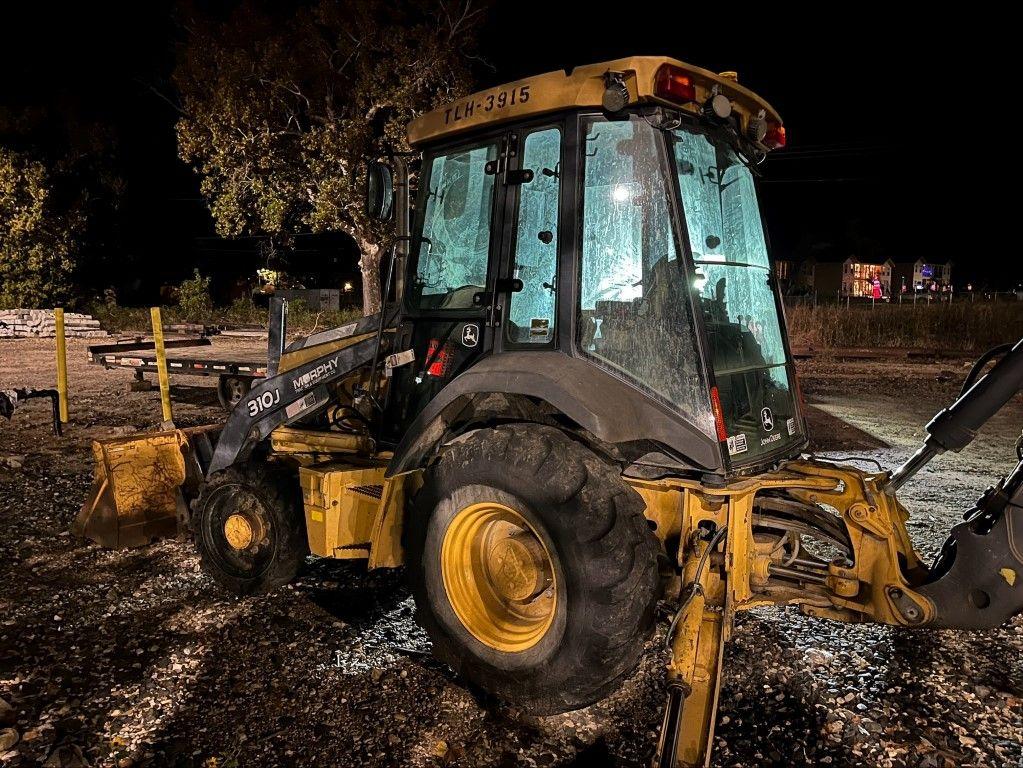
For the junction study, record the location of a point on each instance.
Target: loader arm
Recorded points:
(143, 481)
(299, 390)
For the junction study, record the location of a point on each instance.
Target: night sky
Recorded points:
(898, 127)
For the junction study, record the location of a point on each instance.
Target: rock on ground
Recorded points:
(133, 658)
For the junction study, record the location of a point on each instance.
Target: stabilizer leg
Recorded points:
(694, 673)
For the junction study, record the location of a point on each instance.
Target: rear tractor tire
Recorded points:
(533, 568)
(250, 529)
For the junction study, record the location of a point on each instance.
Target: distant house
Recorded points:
(858, 277)
(920, 275)
(834, 275)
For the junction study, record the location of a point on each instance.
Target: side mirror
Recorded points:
(379, 191)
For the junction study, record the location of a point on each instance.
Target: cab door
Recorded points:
(482, 271)
(449, 307)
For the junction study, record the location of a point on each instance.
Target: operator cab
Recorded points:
(608, 215)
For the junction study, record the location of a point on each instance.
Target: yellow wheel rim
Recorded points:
(499, 577)
(239, 531)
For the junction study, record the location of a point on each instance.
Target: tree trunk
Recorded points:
(369, 263)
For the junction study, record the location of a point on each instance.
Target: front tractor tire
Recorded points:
(231, 390)
(249, 528)
(533, 568)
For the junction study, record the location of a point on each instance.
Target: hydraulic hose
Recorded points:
(978, 366)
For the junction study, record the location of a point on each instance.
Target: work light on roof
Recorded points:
(719, 106)
(756, 130)
(616, 92)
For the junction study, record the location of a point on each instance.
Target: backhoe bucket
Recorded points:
(136, 494)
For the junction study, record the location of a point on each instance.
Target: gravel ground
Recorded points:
(133, 658)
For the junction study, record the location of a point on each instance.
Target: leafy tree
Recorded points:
(280, 109)
(38, 245)
(59, 189)
(53, 206)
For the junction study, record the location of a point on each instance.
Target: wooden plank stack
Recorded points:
(40, 323)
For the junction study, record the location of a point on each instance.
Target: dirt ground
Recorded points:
(133, 658)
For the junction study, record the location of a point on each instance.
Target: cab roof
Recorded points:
(584, 87)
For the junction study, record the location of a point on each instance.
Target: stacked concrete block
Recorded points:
(40, 323)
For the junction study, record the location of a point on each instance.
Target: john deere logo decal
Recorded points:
(470, 335)
(767, 418)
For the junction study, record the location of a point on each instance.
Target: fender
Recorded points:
(600, 403)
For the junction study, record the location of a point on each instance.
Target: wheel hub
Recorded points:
(499, 577)
(518, 567)
(241, 531)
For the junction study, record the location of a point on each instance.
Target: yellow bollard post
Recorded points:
(161, 368)
(58, 317)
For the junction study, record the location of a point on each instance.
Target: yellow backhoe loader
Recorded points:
(578, 401)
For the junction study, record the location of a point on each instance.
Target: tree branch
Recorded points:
(164, 98)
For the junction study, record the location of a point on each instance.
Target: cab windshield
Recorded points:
(638, 295)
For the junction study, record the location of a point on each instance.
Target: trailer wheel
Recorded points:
(533, 568)
(250, 528)
(231, 390)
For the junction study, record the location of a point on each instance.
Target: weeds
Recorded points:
(301, 319)
(958, 327)
(194, 302)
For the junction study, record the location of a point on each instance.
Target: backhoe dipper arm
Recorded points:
(977, 580)
(953, 428)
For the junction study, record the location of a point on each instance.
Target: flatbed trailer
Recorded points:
(235, 374)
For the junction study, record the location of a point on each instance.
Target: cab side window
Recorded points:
(531, 312)
(453, 250)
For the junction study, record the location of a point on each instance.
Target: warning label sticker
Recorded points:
(791, 426)
(737, 444)
(299, 406)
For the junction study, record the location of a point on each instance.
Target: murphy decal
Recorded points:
(320, 372)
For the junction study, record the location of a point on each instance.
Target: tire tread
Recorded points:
(609, 527)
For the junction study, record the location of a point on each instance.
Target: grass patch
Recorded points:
(957, 327)
(301, 318)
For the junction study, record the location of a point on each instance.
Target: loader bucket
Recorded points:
(136, 493)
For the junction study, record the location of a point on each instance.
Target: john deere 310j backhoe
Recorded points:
(578, 401)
